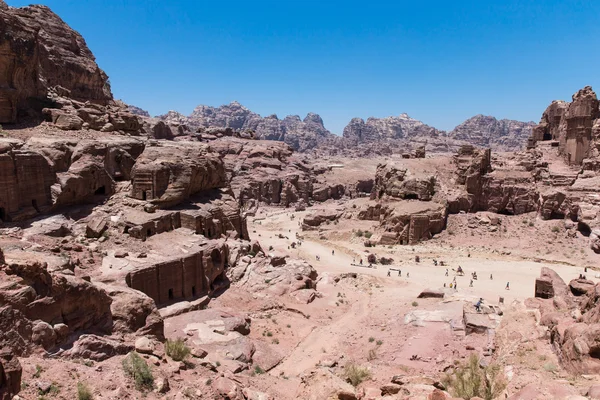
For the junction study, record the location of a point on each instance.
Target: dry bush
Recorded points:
(177, 349)
(137, 368)
(356, 374)
(83, 392)
(470, 380)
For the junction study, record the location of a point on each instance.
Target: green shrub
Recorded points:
(83, 392)
(137, 368)
(379, 342)
(415, 304)
(355, 374)
(258, 370)
(38, 371)
(371, 339)
(359, 233)
(550, 367)
(555, 229)
(368, 234)
(470, 380)
(177, 349)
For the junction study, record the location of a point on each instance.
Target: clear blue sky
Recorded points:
(440, 61)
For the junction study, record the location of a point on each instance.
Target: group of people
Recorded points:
(389, 273)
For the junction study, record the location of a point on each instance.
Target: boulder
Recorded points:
(96, 227)
(431, 293)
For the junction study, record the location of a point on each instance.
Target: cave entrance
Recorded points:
(584, 229)
(144, 195)
(411, 196)
(547, 136)
(595, 352)
(149, 233)
(506, 212)
(2, 214)
(194, 291)
(557, 215)
(171, 294)
(215, 257)
(100, 191)
(35, 205)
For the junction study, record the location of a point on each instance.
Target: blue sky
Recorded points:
(439, 61)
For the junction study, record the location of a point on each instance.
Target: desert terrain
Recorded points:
(229, 256)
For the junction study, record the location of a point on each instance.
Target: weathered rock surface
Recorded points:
(488, 132)
(39, 300)
(575, 341)
(42, 54)
(168, 173)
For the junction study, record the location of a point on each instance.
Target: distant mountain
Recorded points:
(301, 135)
(402, 127)
(486, 131)
(310, 133)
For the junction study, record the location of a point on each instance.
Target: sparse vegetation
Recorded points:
(38, 371)
(177, 349)
(550, 367)
(355, 374)
(368, 234)
(379, 342)
(218, 363)
(137, 368)
(275, 341)
(372, 355)
(359, 233)
(258, 370)
(470, 380)
(371, 339)
(208, 382)
(415, 304)
(555, 229)
(83, 392)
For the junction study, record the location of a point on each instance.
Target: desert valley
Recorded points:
(225, 255)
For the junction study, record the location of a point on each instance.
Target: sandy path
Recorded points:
(521, 274)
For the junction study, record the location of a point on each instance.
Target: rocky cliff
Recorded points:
(300, 134)
(42, 54)
(360, 137)
(487, 131)
(401, 127)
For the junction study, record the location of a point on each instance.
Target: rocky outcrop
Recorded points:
(489, 132)
(275, 275)
(167, 174)
(374, 129)
(49, 307)
(401, 184)
(40, 54)
(406, 222)
(571, 313)
(572, 126)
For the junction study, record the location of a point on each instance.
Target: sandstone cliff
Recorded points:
(299, 134)
(487, 131)
(40, 53)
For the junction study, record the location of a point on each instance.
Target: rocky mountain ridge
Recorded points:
(310, 133)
